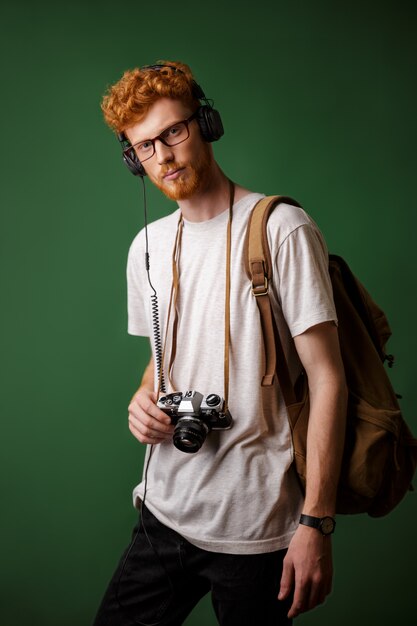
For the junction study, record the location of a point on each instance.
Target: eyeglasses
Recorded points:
(171, 136)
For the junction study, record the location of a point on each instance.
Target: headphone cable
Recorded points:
(154, 299)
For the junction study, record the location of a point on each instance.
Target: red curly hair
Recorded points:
(127, 101)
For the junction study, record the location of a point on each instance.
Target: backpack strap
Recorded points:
(258, 267)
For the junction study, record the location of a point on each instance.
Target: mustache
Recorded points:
(169, 167)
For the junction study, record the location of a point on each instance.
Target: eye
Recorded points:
(143, 147)
(172, 131)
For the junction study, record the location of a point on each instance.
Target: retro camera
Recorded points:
(194, 416)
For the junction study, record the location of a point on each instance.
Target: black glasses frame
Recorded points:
(128, 150)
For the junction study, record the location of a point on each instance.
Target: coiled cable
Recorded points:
(154, 303)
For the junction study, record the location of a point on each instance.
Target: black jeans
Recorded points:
(161, 577)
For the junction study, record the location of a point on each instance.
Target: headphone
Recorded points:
(208, 120)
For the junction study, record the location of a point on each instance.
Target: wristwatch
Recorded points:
(325, 525)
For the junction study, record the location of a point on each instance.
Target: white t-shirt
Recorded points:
(239, 493)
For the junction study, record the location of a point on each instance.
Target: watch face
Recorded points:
(327, 525)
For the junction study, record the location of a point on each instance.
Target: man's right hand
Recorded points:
(146, 422)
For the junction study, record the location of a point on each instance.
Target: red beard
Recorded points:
(193, 180)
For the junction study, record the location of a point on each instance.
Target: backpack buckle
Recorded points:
(260, 290)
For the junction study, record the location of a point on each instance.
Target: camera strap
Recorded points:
(173, 301)
(227, 297)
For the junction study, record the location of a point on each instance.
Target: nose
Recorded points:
(164, 153)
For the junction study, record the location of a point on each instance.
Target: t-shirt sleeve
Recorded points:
(305, 290)
(137, 292)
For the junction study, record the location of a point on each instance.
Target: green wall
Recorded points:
(318, 101)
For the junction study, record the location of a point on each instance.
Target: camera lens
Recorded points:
(190, 434)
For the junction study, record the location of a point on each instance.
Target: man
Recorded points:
(226, 518)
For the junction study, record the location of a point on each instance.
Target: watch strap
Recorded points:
(326, 525)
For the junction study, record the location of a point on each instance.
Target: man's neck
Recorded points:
(212, 200)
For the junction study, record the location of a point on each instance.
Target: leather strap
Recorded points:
(326, 525)
(258, 267)
(173, 302)
(227, 297)
(175, 290)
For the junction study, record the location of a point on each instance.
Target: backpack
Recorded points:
(380, 453)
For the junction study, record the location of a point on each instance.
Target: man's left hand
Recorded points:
(307, 570)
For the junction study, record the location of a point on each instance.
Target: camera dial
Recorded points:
(213, 400)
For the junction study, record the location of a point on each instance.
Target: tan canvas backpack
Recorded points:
(380, 454)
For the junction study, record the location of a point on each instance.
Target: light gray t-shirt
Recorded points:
(239, 493)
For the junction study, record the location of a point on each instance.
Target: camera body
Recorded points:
(194, 416)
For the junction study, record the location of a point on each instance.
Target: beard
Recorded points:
(196, 180)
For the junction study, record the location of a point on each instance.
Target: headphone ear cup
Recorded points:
(132, 163)
(210, 123)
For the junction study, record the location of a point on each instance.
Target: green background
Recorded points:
(318, 100)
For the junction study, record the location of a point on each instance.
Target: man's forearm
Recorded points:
(325, 442)
(148, 376)
(147, 381)
(319, 352)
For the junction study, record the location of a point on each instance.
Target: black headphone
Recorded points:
(208, 120)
